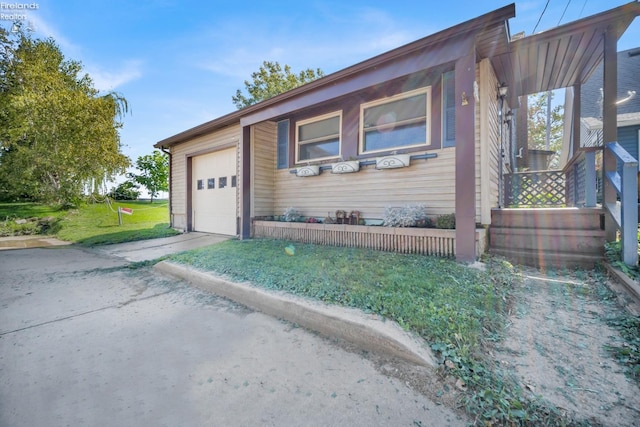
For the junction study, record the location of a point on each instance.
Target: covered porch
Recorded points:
(563, 217)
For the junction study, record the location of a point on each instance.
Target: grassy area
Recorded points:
(613, 253)
(34, 212)
(90, 224)
(97, 223)
(457, 309)
(28, 210)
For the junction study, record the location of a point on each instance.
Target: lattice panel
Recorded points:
(535, 189)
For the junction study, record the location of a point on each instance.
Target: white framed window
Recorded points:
(319, 138)
(400, 121)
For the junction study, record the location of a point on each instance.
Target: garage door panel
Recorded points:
(214, 199)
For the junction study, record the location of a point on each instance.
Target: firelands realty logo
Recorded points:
(17, 12)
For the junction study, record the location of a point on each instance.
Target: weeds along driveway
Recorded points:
(86, 340)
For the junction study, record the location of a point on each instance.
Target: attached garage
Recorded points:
(214, 192)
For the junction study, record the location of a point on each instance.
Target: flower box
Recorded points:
(393, 161)
(311, 170)
(348, 166)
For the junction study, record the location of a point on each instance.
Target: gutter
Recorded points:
(168, 153)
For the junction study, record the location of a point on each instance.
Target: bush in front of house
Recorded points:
(291, 214)
(406, 216)
(446, 222)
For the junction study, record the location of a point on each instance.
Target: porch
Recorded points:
(556, 218)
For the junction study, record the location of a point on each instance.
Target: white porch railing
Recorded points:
(625, 212)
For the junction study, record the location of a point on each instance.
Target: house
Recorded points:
(423, 123)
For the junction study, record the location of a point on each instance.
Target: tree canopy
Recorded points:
(154, 173)
(537, 124)
(57, 132)
(270, 80)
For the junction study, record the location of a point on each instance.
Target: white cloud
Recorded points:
(239, 54)
(106, 80)
(46, 30)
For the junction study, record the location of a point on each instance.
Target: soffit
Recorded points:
(560, 57)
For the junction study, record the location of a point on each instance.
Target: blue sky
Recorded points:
(178, 63)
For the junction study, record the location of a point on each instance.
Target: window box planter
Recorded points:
(311, 170)
(393, 161)
(348, 166)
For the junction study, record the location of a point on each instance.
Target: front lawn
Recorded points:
(457, 309)
(97, 223)
(92, 223)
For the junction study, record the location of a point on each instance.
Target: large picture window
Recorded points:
(401, 121)
(318, 138)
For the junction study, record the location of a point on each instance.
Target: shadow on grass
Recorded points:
(157, 231)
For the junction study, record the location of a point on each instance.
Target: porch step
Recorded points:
(558, 237)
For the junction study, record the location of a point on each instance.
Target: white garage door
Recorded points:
(214, 188)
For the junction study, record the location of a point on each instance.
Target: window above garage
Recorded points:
(319, 138)
(400, 121)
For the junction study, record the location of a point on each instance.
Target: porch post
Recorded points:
(245, 188)
(609, 124)
(465, 158)
(575, 120)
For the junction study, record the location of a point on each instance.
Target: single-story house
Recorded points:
(420, 124)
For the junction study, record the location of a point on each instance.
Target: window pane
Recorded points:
(399, 136)
(200, 184)
(222, 182)
(283, 144)
(316, 150)
(211, 183)
(326, 127)
(448, 109)
(395, 111)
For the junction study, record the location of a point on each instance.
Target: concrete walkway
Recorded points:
(147, 250)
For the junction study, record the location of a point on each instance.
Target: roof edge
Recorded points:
(491, 18)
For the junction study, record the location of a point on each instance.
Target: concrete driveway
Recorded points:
(87, 341)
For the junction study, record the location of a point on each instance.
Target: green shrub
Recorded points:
(128, 190)
(447, 222)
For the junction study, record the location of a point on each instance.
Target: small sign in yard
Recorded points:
(126, 211)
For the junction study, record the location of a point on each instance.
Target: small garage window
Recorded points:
(234, 181)
(200, 184)
(222, 182)
(211, 183)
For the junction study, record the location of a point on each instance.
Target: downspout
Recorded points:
(168, 153)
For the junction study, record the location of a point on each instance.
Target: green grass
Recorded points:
(10, 212)
(97, 223)
(91, 223)
(28, 210)
(457, 309)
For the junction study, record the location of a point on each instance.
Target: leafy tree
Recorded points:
(537, 124)
(128, 190)
(154, 174)
(57, 133)
(271, 80)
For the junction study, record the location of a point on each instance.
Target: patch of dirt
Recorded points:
(555, 345)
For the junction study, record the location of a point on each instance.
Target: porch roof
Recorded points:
(560, 57)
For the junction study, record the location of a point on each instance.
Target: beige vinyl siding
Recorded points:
(263, 147)
(370, 191)
(489, 130)
(179, 154)
(478, 151)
